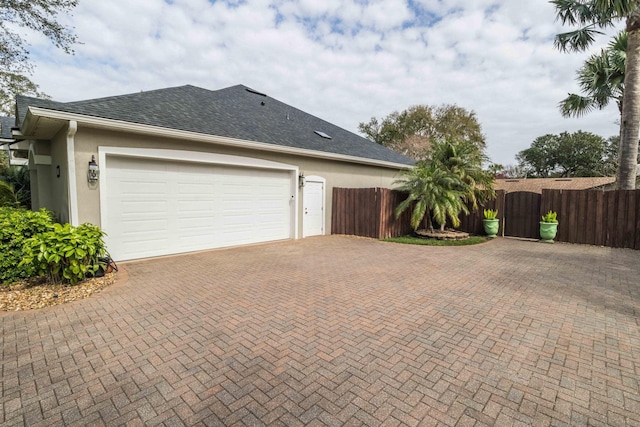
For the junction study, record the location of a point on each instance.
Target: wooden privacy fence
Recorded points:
(593, 217)
(368, 212)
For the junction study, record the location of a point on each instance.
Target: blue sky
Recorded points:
(344, 61)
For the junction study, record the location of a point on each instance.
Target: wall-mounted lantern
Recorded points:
(301, 180)
(94, 171)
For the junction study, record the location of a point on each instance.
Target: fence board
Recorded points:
(630, 220)
(637, 223)
(590, 217)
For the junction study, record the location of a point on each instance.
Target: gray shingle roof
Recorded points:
(234, 112)
(6, 123)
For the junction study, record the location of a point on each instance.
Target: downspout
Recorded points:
(72, 185)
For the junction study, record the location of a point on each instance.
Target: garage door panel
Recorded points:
(161, 207)
(139, 226)
(142, 207)
(195, 208)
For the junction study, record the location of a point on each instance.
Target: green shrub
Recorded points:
(17, 225)
(65, 254)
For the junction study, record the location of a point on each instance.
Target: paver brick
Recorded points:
(339, 331)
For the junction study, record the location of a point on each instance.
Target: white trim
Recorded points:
(72, 185)
(316, 178)
(120, 125)
(195, 157)
(38, 159)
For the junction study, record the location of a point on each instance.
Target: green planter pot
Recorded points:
(548, 231)
(491, 227)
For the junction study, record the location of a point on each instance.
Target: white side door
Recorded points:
(313, 206)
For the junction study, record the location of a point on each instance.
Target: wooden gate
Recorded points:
(522, 214)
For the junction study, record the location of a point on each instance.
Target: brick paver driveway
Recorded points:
(340, 331)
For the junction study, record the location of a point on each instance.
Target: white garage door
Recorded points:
(157, 207)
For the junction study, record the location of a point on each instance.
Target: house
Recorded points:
(536, 185)
(184, 168)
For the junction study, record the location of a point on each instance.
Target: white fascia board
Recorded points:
(123, 126)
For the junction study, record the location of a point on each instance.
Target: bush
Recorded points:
(66, 253)
(17, 225)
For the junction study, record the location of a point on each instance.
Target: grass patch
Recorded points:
(412, 240)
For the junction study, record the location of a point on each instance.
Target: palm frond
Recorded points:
(573, 12)
(575, 105)
(577, 40)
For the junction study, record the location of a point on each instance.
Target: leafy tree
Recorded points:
(496, 168)
(578, 154)
(36, 15)
(508, 171)
(12, 84)
(442, 185)
(590, 17)
(412, 131)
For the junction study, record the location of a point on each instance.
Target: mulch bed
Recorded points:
(38, 293)
(447, 234)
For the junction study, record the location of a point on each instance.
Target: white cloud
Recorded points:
(344, 61)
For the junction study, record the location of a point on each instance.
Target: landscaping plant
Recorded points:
(65, 254)
(16, 226)
(444, 185)
(490, 214)
(550, 217)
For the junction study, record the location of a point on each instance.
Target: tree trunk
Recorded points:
(627, 168)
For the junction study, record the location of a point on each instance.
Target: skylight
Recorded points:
(322, 134)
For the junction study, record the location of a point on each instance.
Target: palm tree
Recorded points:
(465, 159)
(433, 191)
(446, 183)
(17, 177)
(7, 195)
(601, 80)
(592, 16)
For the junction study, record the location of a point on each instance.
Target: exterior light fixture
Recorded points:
(94, 171)
(301, 180)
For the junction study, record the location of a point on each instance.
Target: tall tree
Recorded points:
(36, 15)
(590, 17)
(577, 154)
(412, 131)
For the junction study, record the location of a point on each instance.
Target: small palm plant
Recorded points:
(445, 184)
(433, 192)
